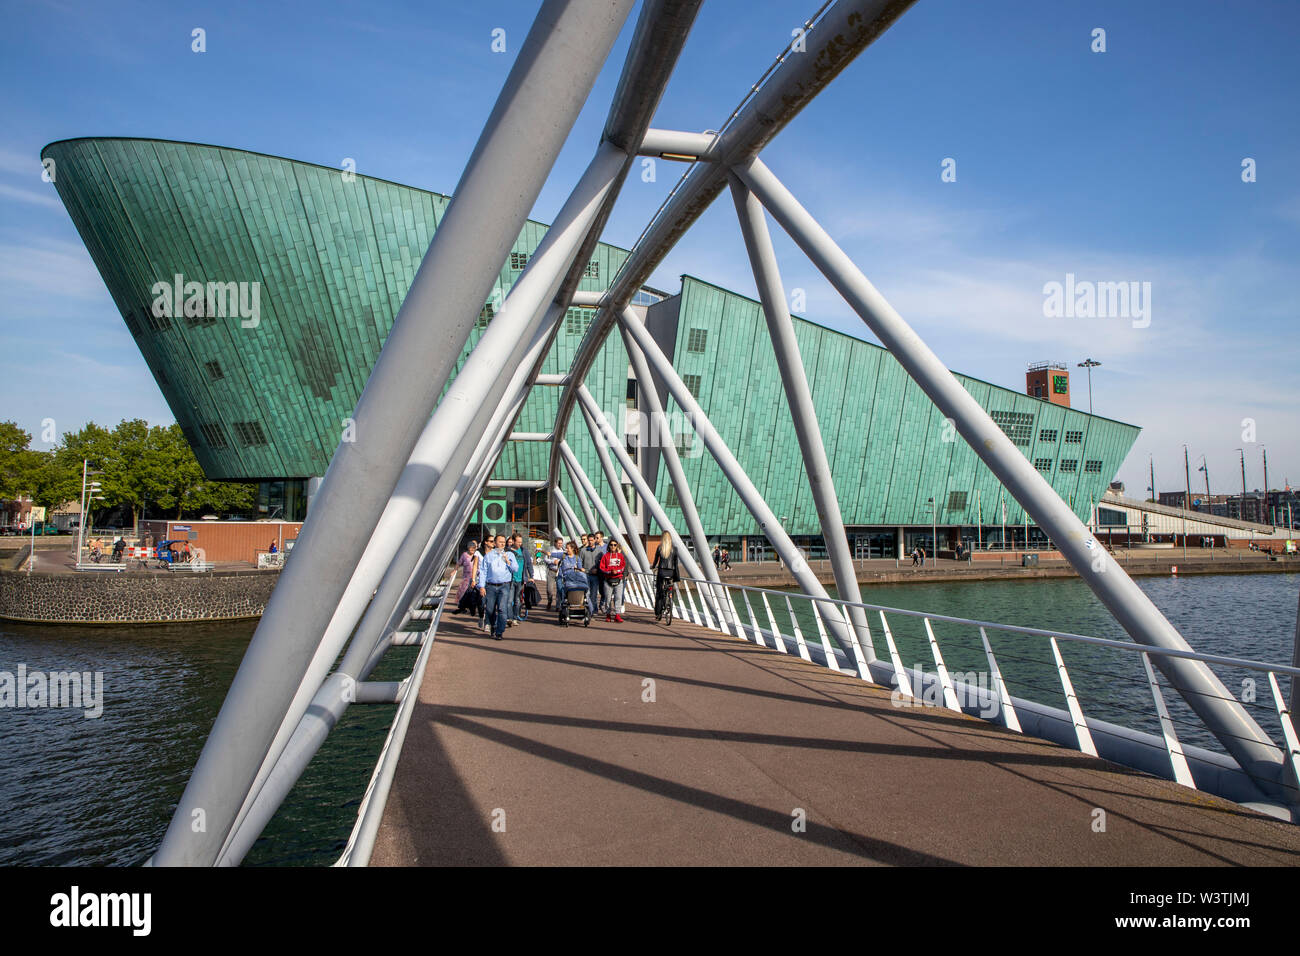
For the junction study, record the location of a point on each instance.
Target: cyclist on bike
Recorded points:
(667, 574)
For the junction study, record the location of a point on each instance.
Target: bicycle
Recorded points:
(663, 601)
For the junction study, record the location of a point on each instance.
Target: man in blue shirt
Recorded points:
(495, 576)
(517, 580)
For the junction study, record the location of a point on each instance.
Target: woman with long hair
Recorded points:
(612, 567)
(667, 574)
(465, 563)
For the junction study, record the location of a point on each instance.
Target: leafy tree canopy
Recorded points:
(138, 465)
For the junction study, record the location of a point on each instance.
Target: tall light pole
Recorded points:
(1264, 505)
(934, 530)
(1089, 364)
(89, 494)
(1187, 496)
(1241, 512)
(1206, 468)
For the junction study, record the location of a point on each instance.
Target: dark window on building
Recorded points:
(1069, 465)
(684, 444)
(692, 383)
(630, 447)
(1019, 426)
(485, 316)
(1092, 467)
(956, 501)
(518, 260)
(214, 435)
(250, 433)
(1047, 434)
(695, 342)
(214, 370)
(670, 499)
(1074, 438)
(1043, 464)
(631, 393)
(1038, 391)
(194, 321)
(1109, 516)
(158, 323)
(592, 271)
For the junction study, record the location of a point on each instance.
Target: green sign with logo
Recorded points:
(1060, 384)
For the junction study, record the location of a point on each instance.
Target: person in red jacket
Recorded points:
(613, 564)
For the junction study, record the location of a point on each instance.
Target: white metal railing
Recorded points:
(361, 842)
(989, 697)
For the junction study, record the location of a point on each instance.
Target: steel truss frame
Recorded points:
(393, 503)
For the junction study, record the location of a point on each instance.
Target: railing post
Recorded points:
(771, 619)
(1177, 760)
(1072, 702)
(1009, 718)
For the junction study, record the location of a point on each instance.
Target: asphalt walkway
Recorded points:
(639, 744)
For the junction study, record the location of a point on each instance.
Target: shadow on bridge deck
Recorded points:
(547, 736)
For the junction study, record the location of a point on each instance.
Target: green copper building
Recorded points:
(260, 291)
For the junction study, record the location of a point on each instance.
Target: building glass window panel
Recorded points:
(1069, 465)
(518, 261)
(692, 383)
(1092, 467)
(1043, 464)
(1074, 438)
(1019, 426)
(592, 271)
(575, 321)
(697, 340)
(214, 371)
(214, 435)
(1047, 434)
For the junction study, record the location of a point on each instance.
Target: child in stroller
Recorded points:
(573, 585)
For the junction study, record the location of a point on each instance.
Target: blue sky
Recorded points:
(1115, 166)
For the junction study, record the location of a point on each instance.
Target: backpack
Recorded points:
(531, 597)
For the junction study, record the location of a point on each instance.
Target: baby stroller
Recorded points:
(573, 584)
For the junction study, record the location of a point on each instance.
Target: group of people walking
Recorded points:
(604, 565)
(494, 579)
(492, 582)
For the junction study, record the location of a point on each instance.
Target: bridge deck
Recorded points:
(549, 727)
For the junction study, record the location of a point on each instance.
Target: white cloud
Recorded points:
(49, 199)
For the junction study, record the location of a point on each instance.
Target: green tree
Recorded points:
(138, 465)
(19, 464)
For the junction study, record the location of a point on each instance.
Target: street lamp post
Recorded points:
(934, 530)
(1089, 364)
(89, 494)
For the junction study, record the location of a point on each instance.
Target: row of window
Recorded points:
(1049, 434)
(1069, 465)
(519, 261)
(1019, 426)
(250, 434)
